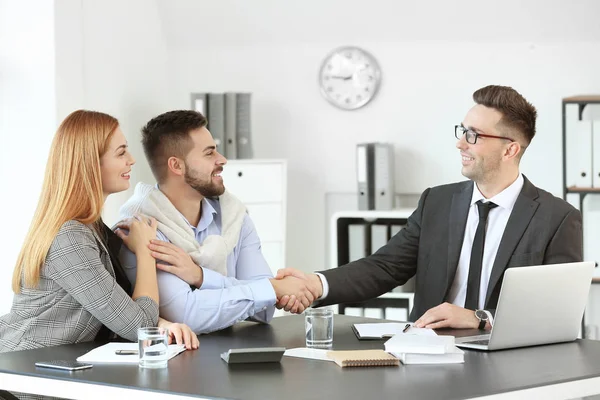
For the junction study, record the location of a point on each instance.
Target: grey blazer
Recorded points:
(542, 229)
(76, 295)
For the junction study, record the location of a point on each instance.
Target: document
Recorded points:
(305, 352)
(388, 329)
(419, 344)
(454, 356)
(107, 353)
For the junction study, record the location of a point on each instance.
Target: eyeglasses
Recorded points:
(471, 136)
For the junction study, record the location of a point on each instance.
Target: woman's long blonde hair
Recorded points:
(72, 188)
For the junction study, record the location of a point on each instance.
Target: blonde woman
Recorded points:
(68, 283)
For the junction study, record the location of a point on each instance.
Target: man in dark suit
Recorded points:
(463, 236)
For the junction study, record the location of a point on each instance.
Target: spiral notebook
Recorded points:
(363, 358)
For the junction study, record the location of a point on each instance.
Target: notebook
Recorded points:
(455, 356)
(106, 353)
(363, 358)
(419, 344)
(388, 329)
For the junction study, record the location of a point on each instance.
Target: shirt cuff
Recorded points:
(325, 285)
(490, 317)
(263, 294)
(211, 279)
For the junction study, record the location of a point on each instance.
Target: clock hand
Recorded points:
(345, 78)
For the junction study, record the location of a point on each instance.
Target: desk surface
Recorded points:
(202, 373)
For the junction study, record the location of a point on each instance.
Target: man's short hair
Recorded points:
(517, 113)
(168, 135)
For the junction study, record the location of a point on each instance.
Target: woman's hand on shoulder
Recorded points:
(141, 230)
(180, 333)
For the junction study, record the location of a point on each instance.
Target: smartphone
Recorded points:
(66, 365)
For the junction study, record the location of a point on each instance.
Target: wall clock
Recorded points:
(349, 77)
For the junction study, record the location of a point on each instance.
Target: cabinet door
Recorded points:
(579, 149)
(268, 221)
(273, 253)
(253, 183)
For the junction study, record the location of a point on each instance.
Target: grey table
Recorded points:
(556, 371)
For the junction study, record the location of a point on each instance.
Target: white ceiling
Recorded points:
(194, 22)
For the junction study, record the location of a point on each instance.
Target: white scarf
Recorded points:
(213, 252)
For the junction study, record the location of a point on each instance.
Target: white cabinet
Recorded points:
(262, 186)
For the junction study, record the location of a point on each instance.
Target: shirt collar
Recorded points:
(506, 198)
(207, 217)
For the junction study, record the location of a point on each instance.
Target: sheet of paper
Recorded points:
(106, 353)
(391, 328)
(304, 352)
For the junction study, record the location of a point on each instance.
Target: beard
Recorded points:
(206, 189)
(484, 170)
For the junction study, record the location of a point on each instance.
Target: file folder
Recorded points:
(375, 176)
(216, 120)
(199, 103)
(243, 126)
(230, 125)
(579, 148)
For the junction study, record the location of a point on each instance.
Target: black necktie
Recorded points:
(473, 282)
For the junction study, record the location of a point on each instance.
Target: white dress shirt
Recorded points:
(496, 224)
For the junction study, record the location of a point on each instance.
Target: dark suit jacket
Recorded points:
(542, 229)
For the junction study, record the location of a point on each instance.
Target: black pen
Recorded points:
(405, 328)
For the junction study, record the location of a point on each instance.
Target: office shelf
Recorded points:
(581, 101)
(582, 190)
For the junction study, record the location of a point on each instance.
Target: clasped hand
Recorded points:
(296, 290)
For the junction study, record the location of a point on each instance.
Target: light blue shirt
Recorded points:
(221, 301)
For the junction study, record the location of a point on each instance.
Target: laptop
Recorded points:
(537, 305)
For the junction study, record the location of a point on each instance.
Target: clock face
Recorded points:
(349, 77)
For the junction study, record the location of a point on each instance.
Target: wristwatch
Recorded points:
(482, 316)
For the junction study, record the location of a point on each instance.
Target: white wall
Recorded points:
(156, 53)
(27, 121)
(138, 58)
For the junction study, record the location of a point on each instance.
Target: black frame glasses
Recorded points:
(471, 136)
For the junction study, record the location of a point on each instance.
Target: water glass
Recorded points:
(318, 325)
(153, 347)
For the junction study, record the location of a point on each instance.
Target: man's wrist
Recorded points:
(484, 319)
(315, 279)
(275, 284)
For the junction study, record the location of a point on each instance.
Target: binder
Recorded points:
(356, 241)
(243, 126)
(230, 125)
(365, 177)
(579, 148)
(375, 176)
(216, 120)
(384, 176)
(199, 103)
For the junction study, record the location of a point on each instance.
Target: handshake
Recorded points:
(296, 290)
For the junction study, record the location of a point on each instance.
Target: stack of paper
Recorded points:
(419, 349)
(388, 329)
(108, 353)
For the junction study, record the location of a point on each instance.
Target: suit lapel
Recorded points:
(459, 211)
(518, 221)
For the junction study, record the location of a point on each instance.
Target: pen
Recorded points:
(126, 352)
(405, 328)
